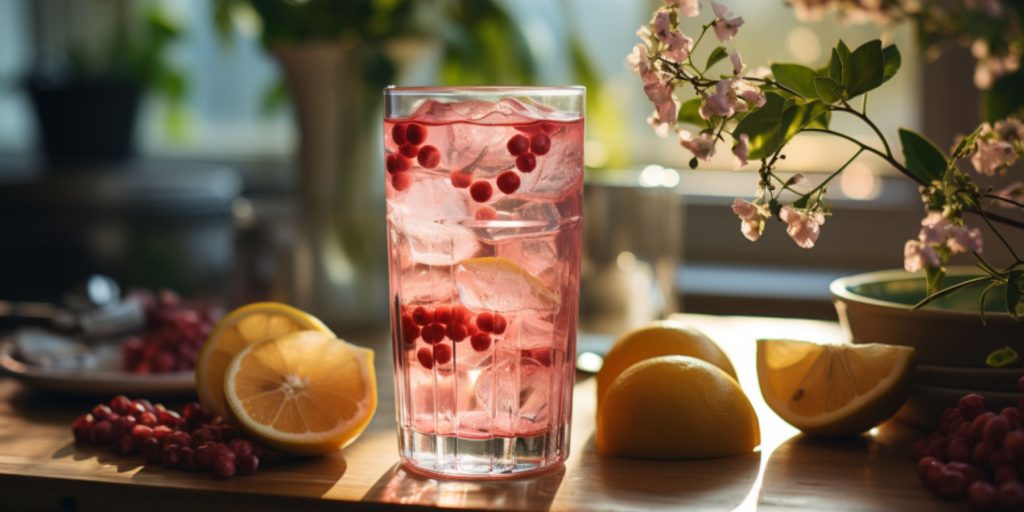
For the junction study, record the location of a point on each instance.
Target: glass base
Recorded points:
(489, 458)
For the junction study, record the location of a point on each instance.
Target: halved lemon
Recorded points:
(306, 393)
(833, 390)
(494, 283)
(242, 327)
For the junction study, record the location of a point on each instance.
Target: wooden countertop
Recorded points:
(41, 468)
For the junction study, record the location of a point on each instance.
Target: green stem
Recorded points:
(948, 290)
(998, 197)
(887, 157)
(835, 173)
(846, 108)
(984, 216)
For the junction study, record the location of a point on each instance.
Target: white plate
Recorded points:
(79, 382)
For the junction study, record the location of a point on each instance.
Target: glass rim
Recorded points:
(509, 90)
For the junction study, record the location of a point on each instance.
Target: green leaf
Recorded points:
(822, 121)
(839, 65)
(716, 56)
(762, 126)
(800, 115)
(1014, 291)
(689, 113)
(892, 60)
(934, 278)
(796, 77)
(866, 69)
(924, 160)
(1002, 358)
(828, 89)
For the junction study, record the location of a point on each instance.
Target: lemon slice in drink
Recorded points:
(306, 393)
(242, 327)
(499, 284)
(833, 390)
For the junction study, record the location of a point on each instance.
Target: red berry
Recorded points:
(124, 444)
(148, 419)
(937, 448)
(202, 436)
(978, 425)
(1003, 474)
(433, 333)
(952, 485)
(1012, 414)
(170, 456)
(124, 425)
(102, 432)
(425, 357)
(461, 179)
(457, 331)
(442, 353)
(101, 412)
(982, 453)
(981, 496)
(1013, 445)
(241, 447)
(443, 315)
(508, 182)
(141, 433)
(410, 334)
(415, 134)
(949, 417)
(460, 314)
(408, 150)
(395, 163)
(170, 418)
(146, 405)
(398, 134)
(120, 404)
(971, 405)
(161, 431)
(205, 455)
(526, 163)
(486, 213)
(518, 145)
(187, 457)
(223, 450)
(82, 428)
(925, 463)
(540, 144)
(995, 430)
(1010, 495)
(180, 438)
(500, 324)
(422, 316)
(151, 449)
(971, 473)
(401, 181)
(224, 467)
(960, 450)
(481, 191)
(485, 321)
(248, 465)
(481, 341)
(428, 157)
(933, 474)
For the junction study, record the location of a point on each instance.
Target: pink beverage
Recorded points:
(484, 190)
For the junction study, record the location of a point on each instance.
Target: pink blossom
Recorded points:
(933, 228)
(661, 24)
(661, 128)
(964, 239)
(1010, 130)
(741, 149)
(731, 95)
(701, 145)
(725, 27)
(750, 216)
(688, 8)
(992, 156)
(677, 46)
(802, 227)
(749, 92)
(737, 62)
(918, 255)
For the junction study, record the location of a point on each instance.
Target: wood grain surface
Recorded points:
(41, 469)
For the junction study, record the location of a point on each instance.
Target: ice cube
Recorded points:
(425, 221)
(515, 387)
(498, 284)
(504, 111)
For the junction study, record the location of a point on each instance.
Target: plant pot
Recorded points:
(85, 121)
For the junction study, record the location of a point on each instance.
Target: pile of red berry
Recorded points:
(171, 338)
(455, 323)
(976, 453)
(409, 139)
(193, 440)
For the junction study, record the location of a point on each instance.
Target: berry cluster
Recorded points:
(172, 337)
(975, 453)
(409, 138)
(193, 440)
(525, 150)
(455, 323)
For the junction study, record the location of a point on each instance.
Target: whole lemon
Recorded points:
(676, 407)
(663, 338)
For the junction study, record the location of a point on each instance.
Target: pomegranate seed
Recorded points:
(540, 144)
(187, 457)
(925, 463)
(500, 324)
(408, 150)
(401, 181)
(442, 353)
(978, 425)
(148, 419)
(457, 331)
(485, 321)
(526, 163)
(82, 428)
(422, 316)
(518, 145)
(398, 134)
(415, 134)
(202, 436)
(460, 314)
(995, 430)
(205, 455)
(161, 431)
(949, 416)
(223, 450)
(433, 333)
(410, 334)
(461, 179)
(396, 163)
(481, 191)
(151, 449)
(971, 473)
(960, 450)
(480, 341)
(141, 433)
(937, 448)
(1010, 495)
(428, 157)
(135, 410)
(486, 213)
(952, 485)
(1012, 414)
(180, 438)
(224, 467)
(933, 474)
(124, 445)
(101, 412)
(248, 465)
(170, 456)
(426, 357)
(120, 404)
(169, 418)
(508, 182)
(971, 405)
(145, 404)
(124, 425)
(241, 447)
(443, 315)
(981, 496)
(102, 432)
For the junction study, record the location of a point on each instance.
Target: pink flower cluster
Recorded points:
(803, 227)
(938, 239)
(999, 146)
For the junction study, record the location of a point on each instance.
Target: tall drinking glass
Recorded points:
(484, 210)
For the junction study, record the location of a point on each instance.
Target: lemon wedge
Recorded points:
(833, 390)
(306, 393)
(242, 327)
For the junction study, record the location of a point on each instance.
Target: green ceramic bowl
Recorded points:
(875, 308)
